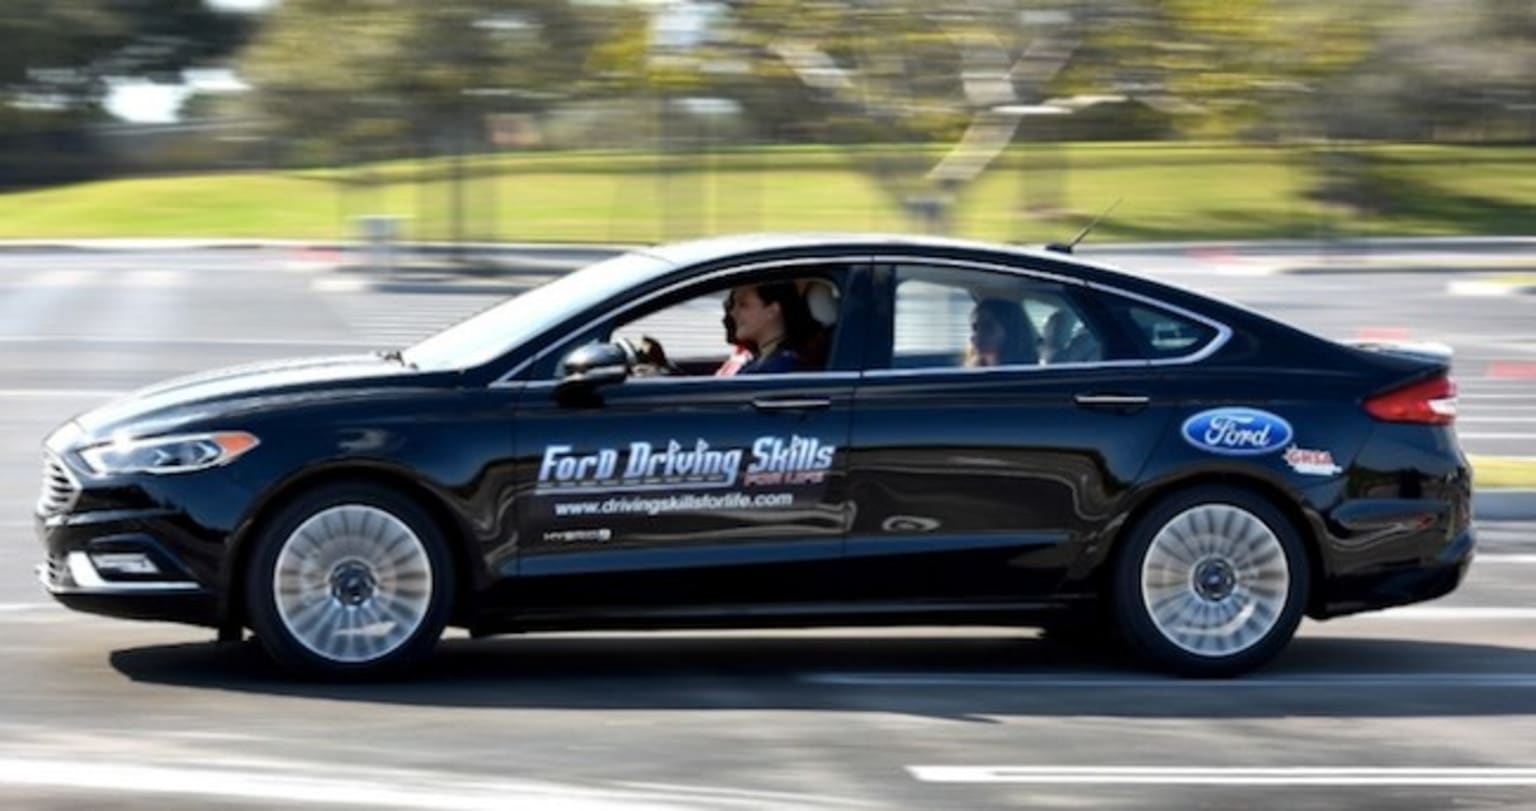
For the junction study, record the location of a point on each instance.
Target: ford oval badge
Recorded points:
(1237, 431)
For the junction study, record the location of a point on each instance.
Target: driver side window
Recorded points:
(773, 321)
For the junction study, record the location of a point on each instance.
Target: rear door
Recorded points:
(989, 481)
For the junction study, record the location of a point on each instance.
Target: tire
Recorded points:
(1212, 582)
(351, 580)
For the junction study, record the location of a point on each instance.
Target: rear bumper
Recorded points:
(1394, 586)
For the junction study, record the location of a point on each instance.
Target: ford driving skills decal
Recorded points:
(1237, 431)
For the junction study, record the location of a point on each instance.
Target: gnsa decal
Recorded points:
(1237, 431)
(644, 466)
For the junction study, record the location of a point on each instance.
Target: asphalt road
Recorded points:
(1427, 707)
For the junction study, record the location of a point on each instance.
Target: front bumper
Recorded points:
(172, 592)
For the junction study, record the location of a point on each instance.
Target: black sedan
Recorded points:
(781, 431)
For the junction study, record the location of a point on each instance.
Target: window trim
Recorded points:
(511, 377)
(1223, 332)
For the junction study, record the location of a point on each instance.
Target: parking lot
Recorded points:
(1423, 707)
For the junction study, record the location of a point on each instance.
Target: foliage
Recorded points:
(369, 72)
(57, 56)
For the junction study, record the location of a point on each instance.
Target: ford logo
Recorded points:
(1237, 431)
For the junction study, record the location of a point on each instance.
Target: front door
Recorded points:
(688, 491)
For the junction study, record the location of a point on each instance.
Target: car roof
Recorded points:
(773, 246)
(721, 247)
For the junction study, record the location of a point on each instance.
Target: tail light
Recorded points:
(1429, 402)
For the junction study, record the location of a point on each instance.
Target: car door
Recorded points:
(975, 481)
(691, 491)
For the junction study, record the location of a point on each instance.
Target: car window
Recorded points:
(951, 317)
(695, 335)
(689, 330)
(1164, 334)
(494, 332)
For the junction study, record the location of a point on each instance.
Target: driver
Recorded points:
(773, 323)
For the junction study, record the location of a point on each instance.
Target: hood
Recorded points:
(163, 406)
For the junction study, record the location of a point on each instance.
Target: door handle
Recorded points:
(791, 403)
(1129, 402)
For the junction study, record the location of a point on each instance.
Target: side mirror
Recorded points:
(594, 365)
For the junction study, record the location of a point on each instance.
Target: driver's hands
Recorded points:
(649, 352)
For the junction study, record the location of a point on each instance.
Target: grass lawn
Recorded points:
(1169, 191)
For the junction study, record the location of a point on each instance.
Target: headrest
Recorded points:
(821, 298)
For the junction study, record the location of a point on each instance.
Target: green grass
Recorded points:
(1503, 472)
(1169, 191)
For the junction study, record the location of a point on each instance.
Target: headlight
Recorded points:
(168, 454)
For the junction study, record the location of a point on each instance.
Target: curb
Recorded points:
(1489, 287)
(1441, 270)
(1504, 505)
(1463, 245)
(429, 286)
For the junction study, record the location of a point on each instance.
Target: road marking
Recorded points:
(1461, 435)
(1505, 560)
(154, 278)
(19, 607)
(1090, 681)
(330, 284)
(1418, 613)
(129, 339)
(365, 789)
(63, 278)
(1223, 776)
(1512, 370)
(46, 393)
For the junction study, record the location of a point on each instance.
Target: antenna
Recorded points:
(1067, 247)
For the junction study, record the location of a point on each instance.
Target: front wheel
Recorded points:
(1211, 582)
(349, 580)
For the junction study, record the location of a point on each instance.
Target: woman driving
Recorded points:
(773, 322)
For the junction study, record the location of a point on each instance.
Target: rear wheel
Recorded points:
(349, 580)
(1211, 582)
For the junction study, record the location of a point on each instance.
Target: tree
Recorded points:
(57, 56)
(354, 73)
(961, 75)
(1225, 68)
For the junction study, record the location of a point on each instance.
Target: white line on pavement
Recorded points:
(1464, 435)
(32, 394)
(18, 607)
(63, 278)
(154, 278)
(1218, 776)
(1330, 681)
(430, 790)
(1419, 613)
(210, 341)
(1504, 560)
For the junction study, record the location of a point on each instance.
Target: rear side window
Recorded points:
(949, 317)
(1164, 334)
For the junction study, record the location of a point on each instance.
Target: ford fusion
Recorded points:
(781, 431)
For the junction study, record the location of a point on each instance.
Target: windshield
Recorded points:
(483, 338)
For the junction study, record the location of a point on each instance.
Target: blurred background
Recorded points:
(644, 120)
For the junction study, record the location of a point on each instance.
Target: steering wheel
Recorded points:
(631, 352)
(648, 354)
